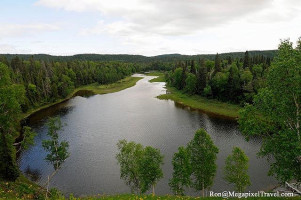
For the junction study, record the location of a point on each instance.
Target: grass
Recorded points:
(209, 106)
(22, 188)
(171, 197)
(160, 78)
(110, 88)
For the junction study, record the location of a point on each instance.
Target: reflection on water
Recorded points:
(32, 174)
(84, 93)
(95, 124)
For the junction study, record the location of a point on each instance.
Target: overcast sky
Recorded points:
(146, 27)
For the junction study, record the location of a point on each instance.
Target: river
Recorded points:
(94, 125)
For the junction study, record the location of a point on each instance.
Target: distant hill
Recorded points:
(137, 58)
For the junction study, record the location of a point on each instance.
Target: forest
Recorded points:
(136, 58)
(47, 78)
(266, 85)
(232, 79)
(45, 82)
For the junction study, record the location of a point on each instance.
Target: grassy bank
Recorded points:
(160, 78)
(110, 88)
(210, 106)
(22, 188)
(95, 88)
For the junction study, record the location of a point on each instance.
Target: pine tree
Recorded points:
(193, 68)
(246, 60)
(202, 77)
(233, 85)
(183, 76)
(217, 65)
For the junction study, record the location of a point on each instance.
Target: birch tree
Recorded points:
(275, 114)
(203, 160)
(236, 170)
(57, 151)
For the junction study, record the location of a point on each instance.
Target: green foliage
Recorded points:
(150, 168)
(203, 157)
(201, 77)
(233, 85)
(11, 96)
(219, 85)
(140, 167)
(128, 158)
(181, 171)
(246, 60)
(217, 63)
(207, 91)
(8, 168)
(224, 78)
(46, 82)
(190, 85)
(27, 139)
(275, 114)
(236, 170)
(58, 151)
(177, 78)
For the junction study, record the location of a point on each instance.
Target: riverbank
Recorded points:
(209, 106)
(160, 78)
(94, 88)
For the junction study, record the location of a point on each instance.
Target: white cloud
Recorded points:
(168, 17)
(153, 27)
(17, 30)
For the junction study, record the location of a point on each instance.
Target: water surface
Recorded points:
(95, 124)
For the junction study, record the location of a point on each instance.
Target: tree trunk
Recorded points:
(47, 189)
(203, 190)
(153, 190)
(48, 181)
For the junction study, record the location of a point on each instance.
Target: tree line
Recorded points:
(232, 80)
(194, 166)
(165, 58)
(45, 82)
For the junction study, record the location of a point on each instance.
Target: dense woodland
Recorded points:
(48, 78)
(137, 58)
(45, 82)
(233, 80)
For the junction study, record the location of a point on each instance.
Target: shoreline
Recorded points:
(211, 107)
(94, 88)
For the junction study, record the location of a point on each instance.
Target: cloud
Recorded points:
(168, 17)
(17, 30)
(7, 48)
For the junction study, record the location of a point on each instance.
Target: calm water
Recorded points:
(96, 123)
